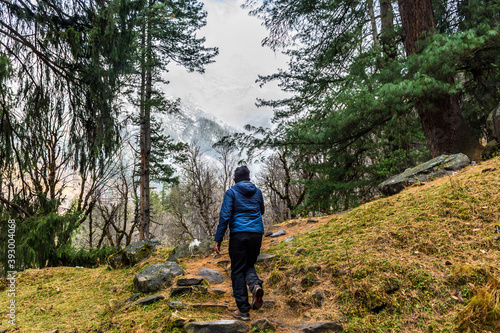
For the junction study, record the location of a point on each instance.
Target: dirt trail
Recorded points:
(281, 312)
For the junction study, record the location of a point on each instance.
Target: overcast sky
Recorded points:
(228, 89)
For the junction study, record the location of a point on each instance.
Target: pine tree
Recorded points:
(167, 33)
(359, 100)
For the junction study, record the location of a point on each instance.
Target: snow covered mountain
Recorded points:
(187, 122)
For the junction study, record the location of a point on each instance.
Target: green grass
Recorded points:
(431, 241)
(397, 264)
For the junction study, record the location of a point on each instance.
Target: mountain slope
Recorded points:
(425, 260)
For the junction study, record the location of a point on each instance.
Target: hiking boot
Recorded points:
(257, 294)
(242, 316)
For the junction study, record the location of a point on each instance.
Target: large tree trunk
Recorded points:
(444, 126)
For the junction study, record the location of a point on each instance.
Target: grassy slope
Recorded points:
(394, 264)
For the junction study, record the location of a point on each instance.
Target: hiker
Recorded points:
(242, 210)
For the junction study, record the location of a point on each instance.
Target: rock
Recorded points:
(264, 257)
(263, 324)
(179, 290)
(149, 300)
(177, 321)
(300, 251)
(177, 305)
(318, 297)
(114, 304)
(132, 298)
(267, 234)
(220, 326)
(322, 327)
(217, 291)
(189, 281)
(491, 148)
(197, 289)
(435, 168)
(312, 221)
(53, 331)
(278, 233)
(211, 275)
(493, 125)
(156, 277)
(132, 254)
(268, 304)
(223, 263)
(192, 248)
(291, 224)
(209, 306)
(289, 239)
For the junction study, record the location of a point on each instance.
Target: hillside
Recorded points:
(425, 260)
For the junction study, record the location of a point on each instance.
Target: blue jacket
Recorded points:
(242, 210)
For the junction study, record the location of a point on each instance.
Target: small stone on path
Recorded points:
(264, 257)
(289, 239)
(278, 233)
(209, 306)
(189, 281)
(177, 305)
(268, 304)
(312, 221)
(149, 300)
(263, 324)
(211, 275)
(219, 326)
(217, 291)
(132, 298)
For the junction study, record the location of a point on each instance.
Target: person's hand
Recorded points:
(217, 247)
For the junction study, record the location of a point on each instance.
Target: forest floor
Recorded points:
(424, 260)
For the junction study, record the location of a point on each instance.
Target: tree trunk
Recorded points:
(387, 36)
(444, 126)
(371, 12)
(145, 136)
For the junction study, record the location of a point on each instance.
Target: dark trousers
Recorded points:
(244, 247)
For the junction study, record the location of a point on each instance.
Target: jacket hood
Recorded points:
(246, 188)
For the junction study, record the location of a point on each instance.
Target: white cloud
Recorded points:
(228, 89)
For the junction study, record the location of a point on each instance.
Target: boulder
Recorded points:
(493, 125)
(322, 327)
(435, 168)
(132, 254)
(211, 275)
(194, 247)
(156, 277)
(219, 326)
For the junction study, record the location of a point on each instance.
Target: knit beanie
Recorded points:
(241, 173)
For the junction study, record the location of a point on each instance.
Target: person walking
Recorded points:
(242, 210)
